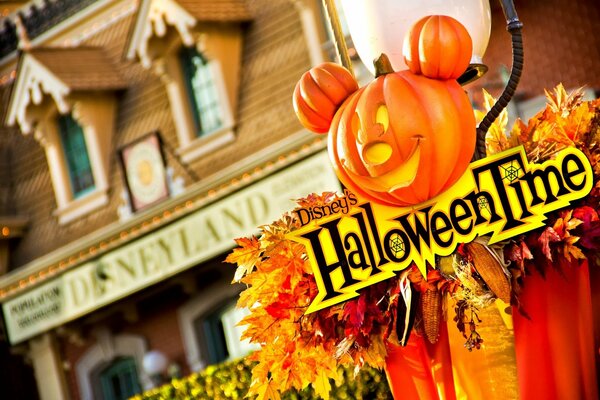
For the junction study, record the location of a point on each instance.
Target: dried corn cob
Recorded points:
(431, 309)
(490, 270)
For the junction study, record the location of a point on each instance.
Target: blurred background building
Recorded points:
(138, 138)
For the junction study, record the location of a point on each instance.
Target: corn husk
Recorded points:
(431, 310)
(490, 269)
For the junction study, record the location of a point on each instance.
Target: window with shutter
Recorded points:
(119, 381)
(76, 154)
(201, 90)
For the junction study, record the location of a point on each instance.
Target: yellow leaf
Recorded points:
(561, 102)
(265, 390)
(322, 386)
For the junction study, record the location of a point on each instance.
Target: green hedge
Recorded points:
(231, 381)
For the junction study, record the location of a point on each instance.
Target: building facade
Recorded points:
(140, 137)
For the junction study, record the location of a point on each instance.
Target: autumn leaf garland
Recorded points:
(298, 350)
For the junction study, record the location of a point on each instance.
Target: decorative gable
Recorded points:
(76, 85)
(33, 83)
(154, 18)
(49, 77)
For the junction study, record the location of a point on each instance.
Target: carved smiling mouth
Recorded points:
(398, 178)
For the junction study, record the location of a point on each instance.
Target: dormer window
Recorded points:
(202, 93)
(76, 155)
(195, 48)
(70, 109)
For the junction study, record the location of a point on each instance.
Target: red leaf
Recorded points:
(586, 214)
(277, 310)
(547, 237)
(287, 283)
(354, 314)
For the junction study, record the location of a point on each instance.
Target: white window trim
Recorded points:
(201, 304)
(191, 146)
(82, 206)
(107, 349)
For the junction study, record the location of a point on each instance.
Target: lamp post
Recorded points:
(155, 364)
(379, 26)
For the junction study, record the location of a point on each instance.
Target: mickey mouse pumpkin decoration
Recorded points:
(407, 136)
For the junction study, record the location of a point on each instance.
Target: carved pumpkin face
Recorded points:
(403, 138)
(407, 136)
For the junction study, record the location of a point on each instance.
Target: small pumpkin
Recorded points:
(439, 47)
(403, 138)
(320, 92)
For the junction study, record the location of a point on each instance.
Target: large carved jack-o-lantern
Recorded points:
(407, 136)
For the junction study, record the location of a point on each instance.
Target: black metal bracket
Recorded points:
(514, 27)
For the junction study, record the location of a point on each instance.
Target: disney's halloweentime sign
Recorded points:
(353, 244)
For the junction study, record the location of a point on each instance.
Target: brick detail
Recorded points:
(560, 42)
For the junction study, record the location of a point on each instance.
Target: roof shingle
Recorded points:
(82, 68)
(217, 10)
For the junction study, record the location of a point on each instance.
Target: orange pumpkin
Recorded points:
(320, 92)
(403, 138)
(438, 47)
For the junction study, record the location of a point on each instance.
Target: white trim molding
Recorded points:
(107, 348)
(201, 304)
(81, 206)
(34, 83)
(154, 18)
(207, 144)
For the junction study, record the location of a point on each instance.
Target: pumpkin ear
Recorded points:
(320, 92)
(439, 47)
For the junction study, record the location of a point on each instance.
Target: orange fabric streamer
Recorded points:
(421, 370)
(489, 373)
(555, 349)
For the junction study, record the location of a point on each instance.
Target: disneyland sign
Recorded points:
(183, 244)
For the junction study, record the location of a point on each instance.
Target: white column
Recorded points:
(58, 171)
(311, 32)
(167, 69)
(47, 368)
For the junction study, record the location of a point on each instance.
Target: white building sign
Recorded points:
(183, 244)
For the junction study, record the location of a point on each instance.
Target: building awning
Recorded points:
(55, 73)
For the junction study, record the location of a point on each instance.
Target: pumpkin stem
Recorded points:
(382, 65)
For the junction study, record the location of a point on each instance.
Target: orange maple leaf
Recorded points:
(246, 256)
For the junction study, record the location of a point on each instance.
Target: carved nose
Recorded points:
(377, 153)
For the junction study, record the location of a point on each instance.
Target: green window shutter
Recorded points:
(119, 381)
(76, 154)
(201, 90)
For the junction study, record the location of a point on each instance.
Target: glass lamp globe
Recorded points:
(154, 362)
(379, 26)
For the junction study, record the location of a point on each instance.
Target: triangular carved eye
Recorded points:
(382, 117)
